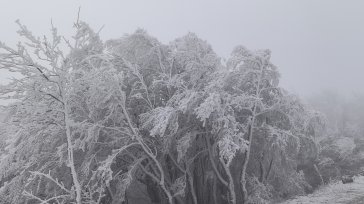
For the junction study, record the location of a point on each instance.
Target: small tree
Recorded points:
(43, 111)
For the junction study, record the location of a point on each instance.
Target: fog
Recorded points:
(317, 45)
(139, 121)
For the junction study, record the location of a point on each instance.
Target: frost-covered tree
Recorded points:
(44, 125)
(133, 120)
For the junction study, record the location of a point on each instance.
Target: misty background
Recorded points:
(317, 45)
(125, 127)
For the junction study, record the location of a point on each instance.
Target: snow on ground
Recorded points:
(337, 192)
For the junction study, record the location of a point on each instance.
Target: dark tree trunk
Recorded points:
(203, 176)
(261, 173)
(269, 169)
(236, 170)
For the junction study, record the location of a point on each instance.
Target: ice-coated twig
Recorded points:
(48, 176)
(44, 201)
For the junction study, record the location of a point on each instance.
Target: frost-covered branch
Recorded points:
(44, 201)
(54, 180)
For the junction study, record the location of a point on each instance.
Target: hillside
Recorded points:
(336, 192)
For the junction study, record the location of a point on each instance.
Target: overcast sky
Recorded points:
(317, 44)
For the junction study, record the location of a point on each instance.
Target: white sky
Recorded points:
(317, 44)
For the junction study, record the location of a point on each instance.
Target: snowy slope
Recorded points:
(337, 192)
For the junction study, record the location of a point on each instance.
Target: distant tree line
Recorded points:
(342, 143)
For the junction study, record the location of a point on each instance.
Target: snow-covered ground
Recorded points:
(352, 193)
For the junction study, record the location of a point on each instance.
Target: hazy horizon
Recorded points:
(317, 45)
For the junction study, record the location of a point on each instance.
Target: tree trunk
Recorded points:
(250, 136)
(236, 168)
(246, 161)
(203, 180)
(76, 183)
(262, 171)
(269, 169)
(318, 172)
(191, 186)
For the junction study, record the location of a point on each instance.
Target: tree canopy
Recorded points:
(134, 120)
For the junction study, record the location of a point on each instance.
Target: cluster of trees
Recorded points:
(342, 144)
(136, 121)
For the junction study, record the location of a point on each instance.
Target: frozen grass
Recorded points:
(336, 192)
